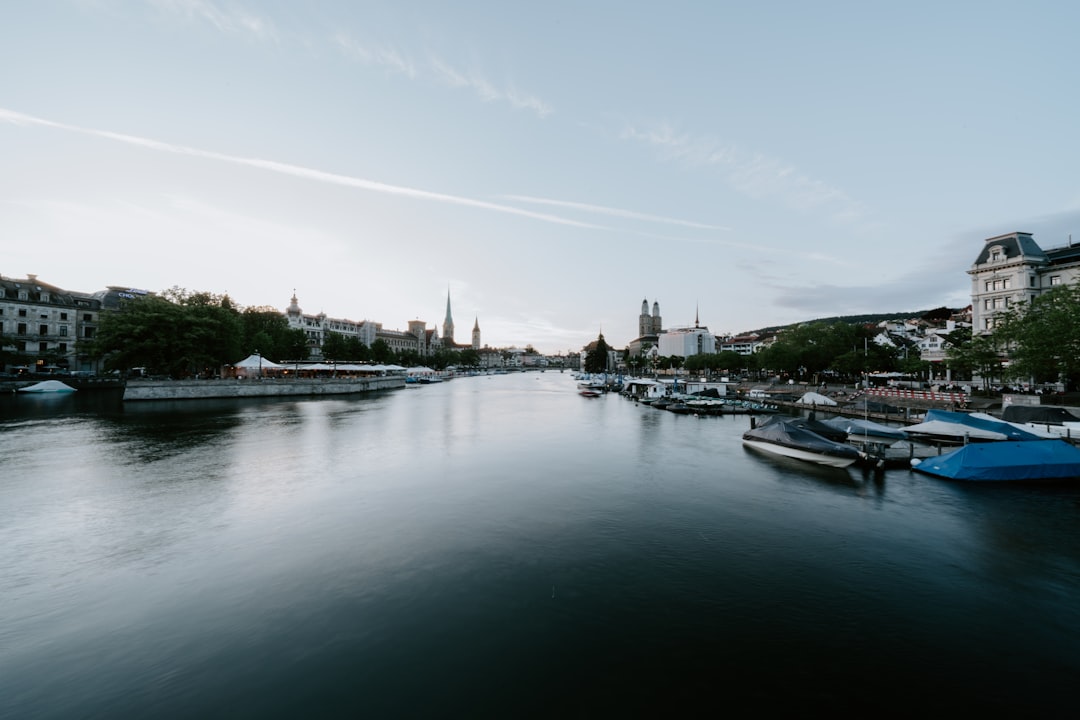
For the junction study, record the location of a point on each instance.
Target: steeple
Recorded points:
(448, 323)
(476, 335)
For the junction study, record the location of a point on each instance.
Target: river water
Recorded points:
(502, 547)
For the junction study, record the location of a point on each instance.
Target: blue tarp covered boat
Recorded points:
(958, 427)
(1006, 460)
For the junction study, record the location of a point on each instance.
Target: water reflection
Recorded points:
(493, 539)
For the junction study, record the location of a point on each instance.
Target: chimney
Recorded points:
(31, 277)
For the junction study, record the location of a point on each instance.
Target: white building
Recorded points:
(1013, 268)
(684, 342)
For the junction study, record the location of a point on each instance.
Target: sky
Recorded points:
(548, 165)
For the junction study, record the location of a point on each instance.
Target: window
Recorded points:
(43, 347)
(43, 329)
(22, 312)
(1032, 279)
(87, 317)
(21, 329)
(63, 316)
(988, 323)
(44, 297)
(1001, 302)
(22, 295)
(988, 304)
(995, 256)
(63, 331)
(88, 332)
(62, 347)
(1055, 279)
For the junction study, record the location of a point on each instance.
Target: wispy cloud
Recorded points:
(752, 174)
(616, 212)
(484, 89)
(382, 56)
(225, 17)
(22, 119)
(439, 71)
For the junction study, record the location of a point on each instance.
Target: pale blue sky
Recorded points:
(552, 164)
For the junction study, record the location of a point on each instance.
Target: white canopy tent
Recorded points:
(256, 361)
(813, 398)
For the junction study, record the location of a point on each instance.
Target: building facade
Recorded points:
(317, 327)
(46, 328)
(1013, 269)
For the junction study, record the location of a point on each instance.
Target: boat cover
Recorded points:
(982, 428)
(826, 431)
(857, 426)
(47, 386)
(1007, 460)
(791, 433)
(1038, 414)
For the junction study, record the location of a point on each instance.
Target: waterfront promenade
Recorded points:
(144, 390)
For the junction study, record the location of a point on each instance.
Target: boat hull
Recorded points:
(800, 454)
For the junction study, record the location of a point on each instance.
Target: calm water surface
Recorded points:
(501, 547)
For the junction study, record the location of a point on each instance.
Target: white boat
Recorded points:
(47, 386)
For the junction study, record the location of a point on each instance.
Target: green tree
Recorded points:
(267, 331)
(381, 352)
(334, 346)
(970, 356)
(177, 333)
(1043, 336)
(596, 359)
(469, 358)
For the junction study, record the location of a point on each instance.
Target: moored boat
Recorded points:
(47, 386)
(1009, 460)
(790, 438)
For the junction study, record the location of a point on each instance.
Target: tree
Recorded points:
(267, 331)
(334, 347)
(596, 359)
(971, 356)
(1043, 336)
(381, 352)
(178, 334)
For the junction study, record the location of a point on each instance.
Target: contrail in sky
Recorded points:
(17, 118)
(614, 211)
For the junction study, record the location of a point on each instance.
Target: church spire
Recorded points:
(448, 323)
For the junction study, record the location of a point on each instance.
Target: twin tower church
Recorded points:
(418, 338)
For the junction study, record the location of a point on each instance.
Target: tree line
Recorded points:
(184, 334)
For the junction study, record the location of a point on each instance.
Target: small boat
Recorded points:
(960, 428)
(1009, 460)
(47, 386)
(857, 429)
(790, 438)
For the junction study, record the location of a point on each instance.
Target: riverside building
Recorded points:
(1013, 268)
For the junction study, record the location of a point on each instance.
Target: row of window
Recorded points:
(1006, 283)
(87, 317)
(43, 347)
(62, 331)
